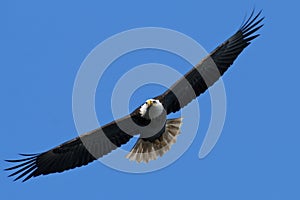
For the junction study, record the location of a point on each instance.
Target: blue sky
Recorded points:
(257, 156)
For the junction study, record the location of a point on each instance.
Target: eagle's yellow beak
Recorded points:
(149, 102)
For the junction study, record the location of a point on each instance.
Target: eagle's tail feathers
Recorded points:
(145, 150)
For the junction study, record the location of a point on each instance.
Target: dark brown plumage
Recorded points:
(211, 68)
(99, 142)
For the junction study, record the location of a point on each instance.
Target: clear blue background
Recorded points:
(257, 156)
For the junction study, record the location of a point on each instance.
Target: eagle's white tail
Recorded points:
(144, 151)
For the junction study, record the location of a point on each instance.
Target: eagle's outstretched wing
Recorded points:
(76, 152)
(93, 145)
(209, 70)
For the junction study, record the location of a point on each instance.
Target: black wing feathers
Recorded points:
(209, 70)
(93, 145)
(74, 153)
(226, 53)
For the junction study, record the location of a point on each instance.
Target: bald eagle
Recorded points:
(157, 133)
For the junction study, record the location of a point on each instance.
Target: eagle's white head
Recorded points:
(151, 109)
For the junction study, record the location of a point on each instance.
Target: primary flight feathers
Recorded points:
(157, 133)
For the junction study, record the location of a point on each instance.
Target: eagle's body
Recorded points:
(157, 136)
(157, 133)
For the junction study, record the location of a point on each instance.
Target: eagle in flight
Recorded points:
(157, 132)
